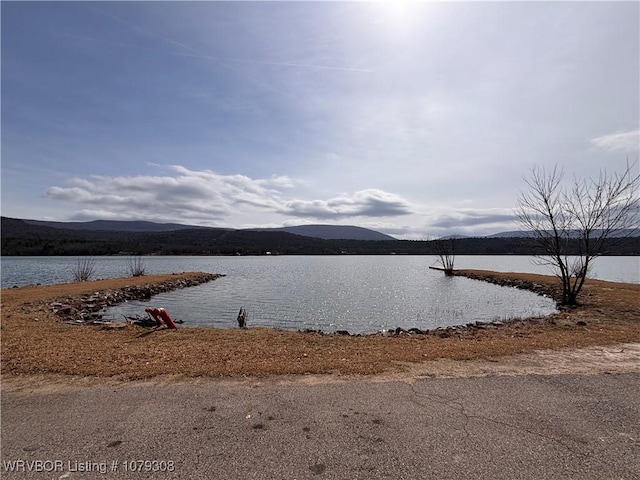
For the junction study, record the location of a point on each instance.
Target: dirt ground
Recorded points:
(601, 335)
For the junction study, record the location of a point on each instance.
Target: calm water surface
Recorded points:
(356, 293)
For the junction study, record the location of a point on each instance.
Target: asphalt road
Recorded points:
(522, 427)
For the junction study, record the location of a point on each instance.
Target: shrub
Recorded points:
(84, 269)
(136, 267)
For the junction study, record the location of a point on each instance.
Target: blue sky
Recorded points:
(414, 119)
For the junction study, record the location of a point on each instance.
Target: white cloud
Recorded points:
(209, 198)
(364, 203)
(471, 218)
(469, 221)
(621, 141)
(204, 197)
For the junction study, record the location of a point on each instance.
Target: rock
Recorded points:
(311, 330)
(63, 309)
(317, 468)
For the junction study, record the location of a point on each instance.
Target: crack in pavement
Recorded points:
(459, 407)
(441, 400)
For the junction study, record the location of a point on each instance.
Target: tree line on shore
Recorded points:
(22, 239)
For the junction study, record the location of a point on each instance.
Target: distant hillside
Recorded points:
(114, 225)
(511, 234)
(327, 232)
(454, 237)
(336, 232)
(23, 238)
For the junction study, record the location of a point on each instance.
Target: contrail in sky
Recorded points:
(283, 64)
(196, 54)
(147, 32)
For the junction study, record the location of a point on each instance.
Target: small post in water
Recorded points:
(242, 318)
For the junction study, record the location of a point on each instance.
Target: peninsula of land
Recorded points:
(36, 341)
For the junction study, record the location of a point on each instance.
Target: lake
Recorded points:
(361, 294)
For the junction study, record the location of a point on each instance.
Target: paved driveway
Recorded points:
(500, 427)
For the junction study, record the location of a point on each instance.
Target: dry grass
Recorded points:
(35, 342)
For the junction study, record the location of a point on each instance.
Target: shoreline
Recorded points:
(88, 309)
(36, 342)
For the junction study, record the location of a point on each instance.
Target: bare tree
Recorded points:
(574, 224)
(136, 267)
(84, 269)
(445, 249)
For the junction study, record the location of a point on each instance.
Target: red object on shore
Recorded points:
(154, 313)
(161, 315)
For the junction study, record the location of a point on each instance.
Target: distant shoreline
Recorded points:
(22, 238)
(270, 253)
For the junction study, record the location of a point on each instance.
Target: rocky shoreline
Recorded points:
(442, 332)
(545, 290)
(89, 308)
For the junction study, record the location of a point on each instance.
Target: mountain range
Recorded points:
(114, 225)
(327, 232)
(103, 237)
